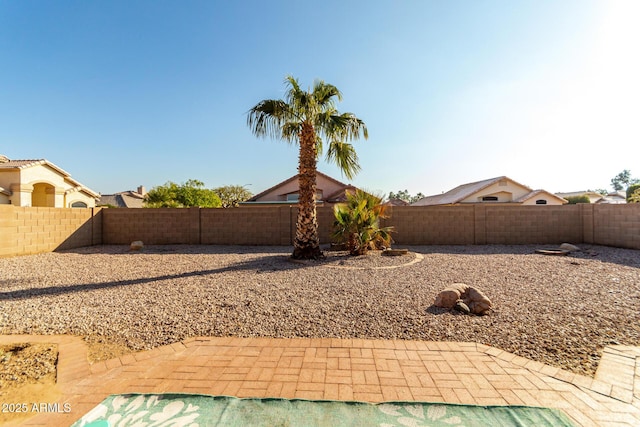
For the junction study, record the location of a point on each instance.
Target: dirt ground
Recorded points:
(28, 375)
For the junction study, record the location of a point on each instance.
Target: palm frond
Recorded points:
(348, 126)
(357, 223)
(297, 98)
(344, 155)
(319, 146)
(324, 94)
(266, 118)
(292, 82)
(291, 131)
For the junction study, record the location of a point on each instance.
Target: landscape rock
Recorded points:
(477, 301)
(137, 245)
(447, 298)
(463, 298)
(569, 247)
(461, 306)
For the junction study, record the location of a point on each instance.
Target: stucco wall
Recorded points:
(505, 193)
(550, 200)
(327, 187)
(508, 192)
(41, 185)
(8, 176)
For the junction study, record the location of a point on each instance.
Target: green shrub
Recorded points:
(172, 195)
(631, 190)
(578, 199)
(357, 223)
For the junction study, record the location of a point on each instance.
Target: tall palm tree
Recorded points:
(311, 119)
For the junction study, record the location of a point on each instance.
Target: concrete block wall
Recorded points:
(29, 230)
(325, 223)
(511, 225)
(245, 226)
(163, 226)
(264, 225)
(431, 225)
(587, 222)
(617, 225)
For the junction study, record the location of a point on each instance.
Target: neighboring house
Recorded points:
(396, 202)
(495, 190)
(40, 183)
(592, 195)
(328, 190)
(124, 199)
(616, 197)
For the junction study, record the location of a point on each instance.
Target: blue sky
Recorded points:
(128, 93)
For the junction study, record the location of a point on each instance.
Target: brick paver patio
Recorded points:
(348, 369)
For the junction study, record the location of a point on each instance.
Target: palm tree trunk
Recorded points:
(307, 243)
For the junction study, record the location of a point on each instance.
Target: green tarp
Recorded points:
(202, 410)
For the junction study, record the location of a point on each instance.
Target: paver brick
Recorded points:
(367, 370)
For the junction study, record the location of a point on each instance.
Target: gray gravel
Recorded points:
(559, 310)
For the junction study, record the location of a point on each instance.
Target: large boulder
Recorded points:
(477, 301)
(462, 296)
(448, 297)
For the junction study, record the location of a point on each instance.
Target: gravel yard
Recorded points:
(559, 310)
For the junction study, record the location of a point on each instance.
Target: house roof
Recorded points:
(7, 164)
(340, 195)
(459, 193)
(463, 191)
(396, 202)
(24, 164)
(124, 199)
(295, 177)
(535, 193)
(618, 194)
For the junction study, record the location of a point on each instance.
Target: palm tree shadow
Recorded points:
(259, 265)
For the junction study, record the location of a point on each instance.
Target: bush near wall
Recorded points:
(631, 191)
(573, 200)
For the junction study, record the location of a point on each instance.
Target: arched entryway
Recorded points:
(43, 195)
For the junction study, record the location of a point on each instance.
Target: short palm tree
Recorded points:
(357, 223)
(311, 119)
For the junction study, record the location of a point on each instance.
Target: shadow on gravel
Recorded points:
(177, 249)
(259, 265)
(432, 309)
(621, 256)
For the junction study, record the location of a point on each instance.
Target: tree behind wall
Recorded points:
(573, 200)
(190, 194)
(404, 195)
(232, 195)
(623, 180)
